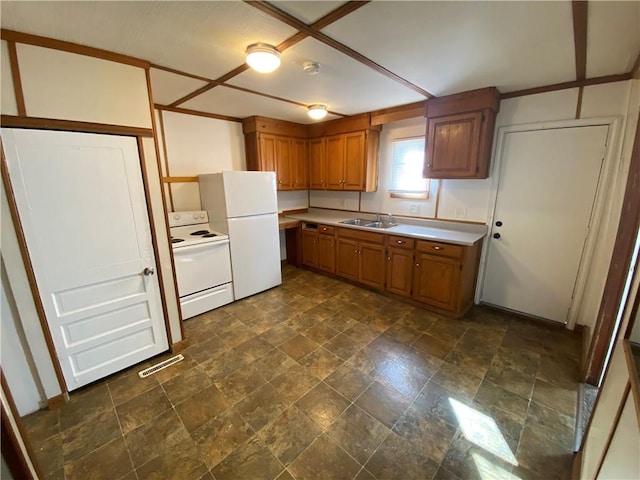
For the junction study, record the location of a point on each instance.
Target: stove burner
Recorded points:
(176, 240)
(209, 235)
(200, 232)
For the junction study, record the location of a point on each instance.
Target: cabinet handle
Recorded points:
(438, 248)
(400, 242)
(417, 264)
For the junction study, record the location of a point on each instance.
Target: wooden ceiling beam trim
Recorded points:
(580, 11)
(180, 72)
(565, 85)
(197, 113)
(394, 114)
(290, 20)
(337, 14)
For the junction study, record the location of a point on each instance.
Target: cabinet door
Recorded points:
(299, 164)
(372, 264)
(436, 281)
(317, 164)
(283, 163)
(334, 158)
(327, 253)
(400, 271)
(347, 258)
(310, 248)
(453, 146)
(355, 161)
(267, 161)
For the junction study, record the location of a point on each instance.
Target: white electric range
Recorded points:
(202, 263)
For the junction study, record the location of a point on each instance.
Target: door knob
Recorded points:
(149, 271)
(496, 235)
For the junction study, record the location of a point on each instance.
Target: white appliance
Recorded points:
(244, 205)
(202, 261)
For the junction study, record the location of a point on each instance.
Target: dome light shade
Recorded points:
(262, 57)
(317, 111)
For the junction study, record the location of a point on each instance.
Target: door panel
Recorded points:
(317, 164)
(334, 159)
(310, 249)
(436, 281)
(283, 163)
(299, 164)
(548, 183)
(347, 258)
(372, 265)
(326, 253)
(81, 203)
(400, 271)
(354, 161)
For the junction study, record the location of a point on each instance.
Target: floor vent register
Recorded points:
(160, 366)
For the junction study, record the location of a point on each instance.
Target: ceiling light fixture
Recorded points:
(262, 57)
(317, 111)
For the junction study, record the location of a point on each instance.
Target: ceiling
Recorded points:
(377, 55)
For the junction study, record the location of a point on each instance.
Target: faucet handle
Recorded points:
(391, 220)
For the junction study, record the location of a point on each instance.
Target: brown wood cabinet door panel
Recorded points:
(310, 249)
(453, 146)
(347, 258)
(317, 164)
(441, 249)
(327, 253)
(372, 264)
(283, 163)
(400, 271)
(334, 158)
(436, 281)
(355, 161)
(267, 161)
(299, 164)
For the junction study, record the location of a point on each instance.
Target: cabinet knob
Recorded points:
(438, 248)
(400, 242)
(417, 264)
(388, 258)
(428, 165)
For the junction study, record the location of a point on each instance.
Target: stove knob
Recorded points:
(202, 215)
(195, 216)
(177, 217)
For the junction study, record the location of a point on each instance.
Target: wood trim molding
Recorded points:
(197, 113)
(28, 266)
(580, 10)
(614, 425)
(38, 41)
(164, 200)
(290, 20)
(73, 126)
(154, 238)
(605, 326)
(633, 377)
(394, 114)
(166, 160)
(58, 401)
(564, 85)
(17, 81)
(16, 447)
(179, 179)
(579, 102)
(179, 346)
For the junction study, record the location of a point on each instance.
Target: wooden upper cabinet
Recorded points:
(284, 176)
(299, 164)
(334, 160)
(355, 161)
(267, 154)
(460, 133)
(317, 168)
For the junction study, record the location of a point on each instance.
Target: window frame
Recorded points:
(407, 194)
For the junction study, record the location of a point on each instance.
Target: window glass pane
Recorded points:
(408, 158)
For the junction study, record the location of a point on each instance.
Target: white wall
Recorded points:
(196, 145)
(17, 364)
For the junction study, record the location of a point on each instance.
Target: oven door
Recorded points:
(202, 266)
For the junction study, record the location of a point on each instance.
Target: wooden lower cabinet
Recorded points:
(310, 248)
(438, 275)
(436, 281)
(400, 271)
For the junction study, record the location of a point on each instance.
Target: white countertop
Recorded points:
(441, 231)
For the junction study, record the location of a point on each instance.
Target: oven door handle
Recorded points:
(199, 246)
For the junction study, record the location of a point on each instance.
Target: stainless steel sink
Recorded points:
(380, 225)
(356, 221)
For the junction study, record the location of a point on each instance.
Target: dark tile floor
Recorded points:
(318, 379)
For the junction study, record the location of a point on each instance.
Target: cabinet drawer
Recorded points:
(361, 235)
(442, 249)
(326, 229)
(400, 242)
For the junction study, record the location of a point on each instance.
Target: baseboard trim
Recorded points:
(58, 401)
(576, 468)
(179, 346)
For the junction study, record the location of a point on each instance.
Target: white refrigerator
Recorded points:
(244, 206)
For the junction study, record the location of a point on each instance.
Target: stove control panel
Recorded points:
(182, 219)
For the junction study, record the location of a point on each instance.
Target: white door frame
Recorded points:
(609, 174)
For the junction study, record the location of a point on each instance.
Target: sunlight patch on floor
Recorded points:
(482, 430)
(490, 471)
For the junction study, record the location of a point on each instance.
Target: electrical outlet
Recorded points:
(414, 209)
(460, 212)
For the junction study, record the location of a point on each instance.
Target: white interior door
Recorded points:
(82, 207)
(548, 183)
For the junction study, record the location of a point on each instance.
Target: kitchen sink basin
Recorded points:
(356, 221)
(380, 225)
